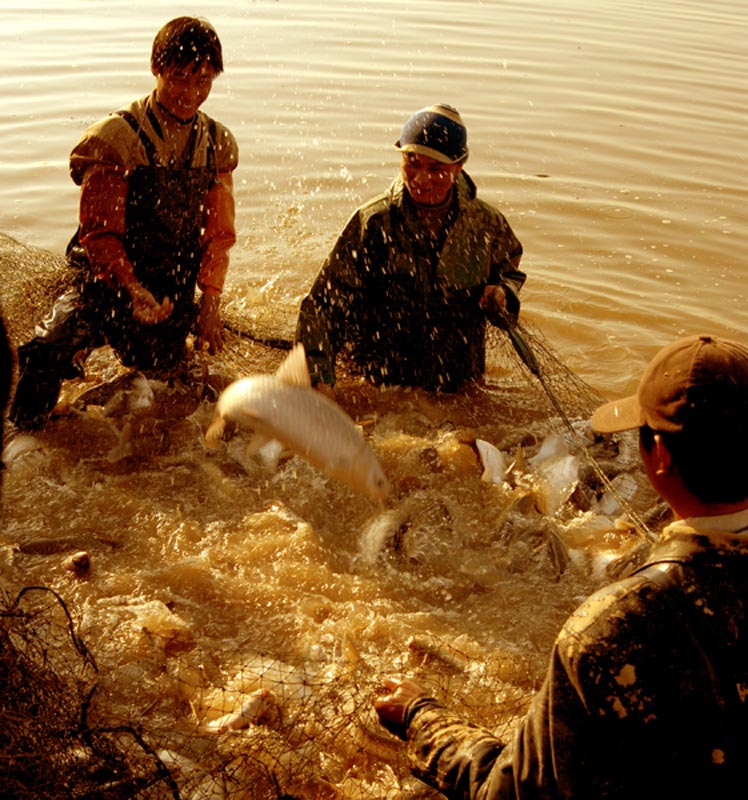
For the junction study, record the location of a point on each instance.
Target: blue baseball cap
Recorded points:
(436, 131)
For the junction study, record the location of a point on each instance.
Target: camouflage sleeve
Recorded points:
(505, 271)
(593, 727)
(542, 759)
(448, 753)
(336, 289)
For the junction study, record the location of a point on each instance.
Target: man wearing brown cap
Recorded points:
(645, 692)
(403, 287)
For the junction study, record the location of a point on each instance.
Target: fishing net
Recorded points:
(161, 714)
(35, 277)
(269, 730)
(552, 386)
(32, 278)
(522, 369)
(48, 745)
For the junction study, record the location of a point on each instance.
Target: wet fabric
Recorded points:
(162, 242)
(405, 304)
(641, 699)
(49, 358)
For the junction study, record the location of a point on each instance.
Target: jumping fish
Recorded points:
(284, 407)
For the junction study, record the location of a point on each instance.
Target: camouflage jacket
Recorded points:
(644, 694)
(406, 302)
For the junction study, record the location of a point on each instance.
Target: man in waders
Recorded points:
(156, 220)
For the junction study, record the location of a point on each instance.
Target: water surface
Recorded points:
(610, 134)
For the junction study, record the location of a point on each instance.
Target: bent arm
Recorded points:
(102, 212)
(219, 235)
(218, 238)
(334, 295)
(505, 271)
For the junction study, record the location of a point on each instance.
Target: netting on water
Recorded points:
(48, 748)
(175, 706)
(270, 730)
(551, 379)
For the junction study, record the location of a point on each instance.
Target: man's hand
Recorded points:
(391, 707)
(145, 307)
(209, 324)
(493, 295)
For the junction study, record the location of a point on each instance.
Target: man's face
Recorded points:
(427, 180)
(182, 90)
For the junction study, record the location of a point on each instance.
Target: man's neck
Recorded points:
(433, 217)
(687, 507)
(171, 115)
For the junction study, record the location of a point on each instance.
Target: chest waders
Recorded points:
(164, 217)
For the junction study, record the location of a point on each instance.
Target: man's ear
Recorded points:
(663, 458)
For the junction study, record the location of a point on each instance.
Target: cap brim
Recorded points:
(618, 415)
(422, 150)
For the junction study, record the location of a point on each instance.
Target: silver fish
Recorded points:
(284, 407)
(261, 708)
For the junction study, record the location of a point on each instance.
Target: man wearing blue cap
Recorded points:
(403, 288)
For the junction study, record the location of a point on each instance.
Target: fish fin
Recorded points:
(294, 370)
(215, 431)
(518, 465)
(493, 461)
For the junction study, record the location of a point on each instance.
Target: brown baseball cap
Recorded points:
(696, 384)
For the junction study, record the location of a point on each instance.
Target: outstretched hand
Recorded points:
(145, 307)
(391, 707)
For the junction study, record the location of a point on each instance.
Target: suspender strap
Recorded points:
(150, 148)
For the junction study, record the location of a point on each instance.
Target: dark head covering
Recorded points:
(436, 131)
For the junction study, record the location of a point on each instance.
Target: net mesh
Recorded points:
(276, 726)
(271, 730)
